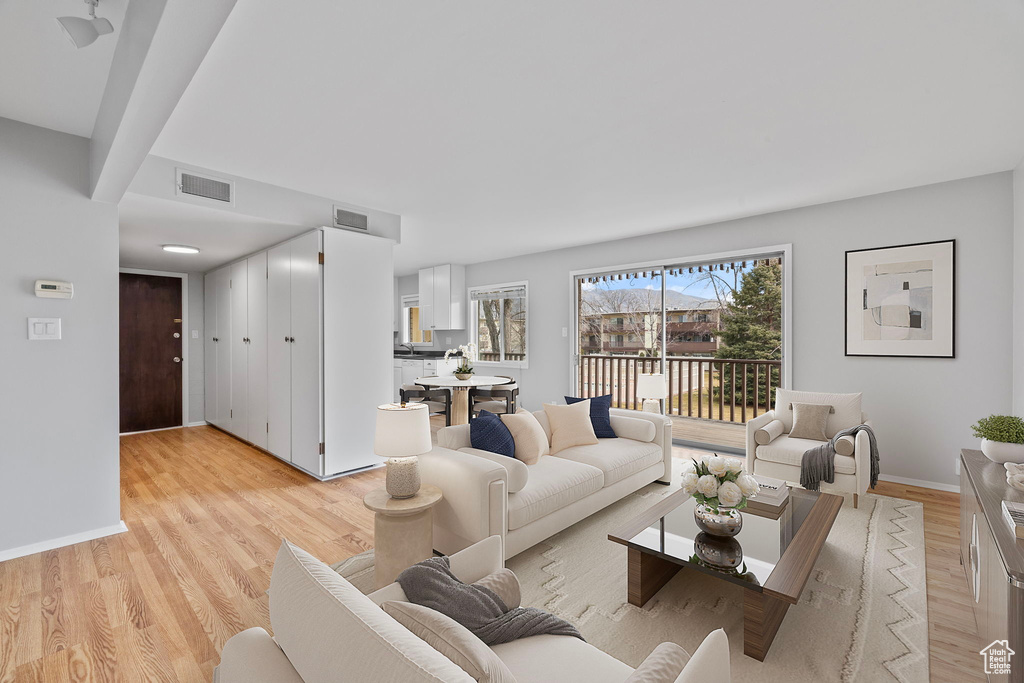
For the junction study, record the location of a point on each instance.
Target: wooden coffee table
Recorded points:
(779, 551)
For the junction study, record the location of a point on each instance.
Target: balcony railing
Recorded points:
(731, 390)
(494, 356)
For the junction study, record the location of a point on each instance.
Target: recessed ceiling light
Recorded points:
(82, 32)
(181, 249)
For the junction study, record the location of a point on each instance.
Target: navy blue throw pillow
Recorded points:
(599, 417)
(488, 433)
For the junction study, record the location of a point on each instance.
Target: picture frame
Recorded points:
(901, 301)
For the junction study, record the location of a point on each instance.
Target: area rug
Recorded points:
(862, 617)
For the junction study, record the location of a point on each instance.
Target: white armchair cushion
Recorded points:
(518, 472)
(847, 408)
(846, 445)
(327, 627)
(787, 450)
(452, 639)
(769, 432)
(632, 428)
(663, 665)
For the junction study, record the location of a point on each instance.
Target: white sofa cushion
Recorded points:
(709, 662)
(617, 458)
(327, 628)
(847, 408)
(787, 450)
(554, 483)
(570, 425)
(543, 659)
(633, 428)
(769, 432)
(518, 472)
(846, 445)
(452, 639)
(531, 439)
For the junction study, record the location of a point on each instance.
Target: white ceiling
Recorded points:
(498, 128)
(44, 79)
(147, 223)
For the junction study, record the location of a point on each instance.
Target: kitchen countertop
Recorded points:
(426, 355)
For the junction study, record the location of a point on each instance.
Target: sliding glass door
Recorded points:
(713, 327)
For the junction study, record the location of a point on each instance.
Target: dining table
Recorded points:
(460, 391)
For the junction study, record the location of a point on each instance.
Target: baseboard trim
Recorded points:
(43, 546)
(952, 488)
(201, 423)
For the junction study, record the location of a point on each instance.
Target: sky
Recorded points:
(693, 284)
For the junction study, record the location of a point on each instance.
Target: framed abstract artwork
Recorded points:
(900, 301)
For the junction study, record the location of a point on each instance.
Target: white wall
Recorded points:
(1018, 290)
(922, 408)
(59, 399)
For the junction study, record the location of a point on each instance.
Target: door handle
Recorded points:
(216, 340)
(177, 359)
(287, 339)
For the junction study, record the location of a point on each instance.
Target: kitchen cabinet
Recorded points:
(442, 297)
(298, 348)
(408, 370)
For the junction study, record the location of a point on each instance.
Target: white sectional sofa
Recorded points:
(326, 631)
(488, 494)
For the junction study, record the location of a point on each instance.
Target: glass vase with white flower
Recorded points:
(721, 489)
(467, 354)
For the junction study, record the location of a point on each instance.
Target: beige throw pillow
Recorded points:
(452, 639)
(809, 420)
(570, 425)
(531, 441)
(663, 665)
(768, 433)
(505, 585)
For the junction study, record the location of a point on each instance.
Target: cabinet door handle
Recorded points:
(287, 339)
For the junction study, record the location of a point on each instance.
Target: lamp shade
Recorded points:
(651, 386)
(402, 430)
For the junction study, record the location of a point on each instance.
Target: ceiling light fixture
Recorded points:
(181, 249)
(82, 32)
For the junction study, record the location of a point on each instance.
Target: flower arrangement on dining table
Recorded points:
(719, 482)
(468, 353)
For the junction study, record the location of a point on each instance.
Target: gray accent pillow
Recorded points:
(809, 421)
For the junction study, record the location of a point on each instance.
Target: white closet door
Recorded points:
(239, 350)
(306, 365)
(223, 296)
(426, 298)
(257, 325)
(279, 364)
(210, 347)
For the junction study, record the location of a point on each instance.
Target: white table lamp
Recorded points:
(651, 387)
(402, 434)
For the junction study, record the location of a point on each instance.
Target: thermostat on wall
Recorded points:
(54, 289)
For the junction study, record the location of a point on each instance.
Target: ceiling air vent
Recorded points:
(206, 187)
(349, 219)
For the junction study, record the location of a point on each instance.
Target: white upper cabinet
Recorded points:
(442, 298)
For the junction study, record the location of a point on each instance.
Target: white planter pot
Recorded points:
(997, 451)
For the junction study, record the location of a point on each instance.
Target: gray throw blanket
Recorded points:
(819, 463)
(432, 584)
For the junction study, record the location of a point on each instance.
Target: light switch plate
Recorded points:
(195, 334)
(44, 328)
(565, 331)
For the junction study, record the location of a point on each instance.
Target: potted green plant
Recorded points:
(1002, 437)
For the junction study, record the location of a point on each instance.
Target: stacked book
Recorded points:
(772, 497)
(1013, 513)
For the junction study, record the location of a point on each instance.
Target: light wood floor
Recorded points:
(205, 515)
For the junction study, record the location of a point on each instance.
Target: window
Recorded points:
(411, 332)
(499, 323)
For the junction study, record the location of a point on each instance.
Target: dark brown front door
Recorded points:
(151, 357)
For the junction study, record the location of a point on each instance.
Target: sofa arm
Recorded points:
(662, 435)
(753, 425)
(862, 459)
(454, 437)
(252, 656)
(475, 502)
(481, 559)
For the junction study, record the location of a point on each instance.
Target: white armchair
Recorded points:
(772, 452)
